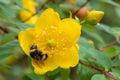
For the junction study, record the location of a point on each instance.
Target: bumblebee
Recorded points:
(37, 54)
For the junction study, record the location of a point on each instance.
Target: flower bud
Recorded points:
(82, 13)
(94, 17)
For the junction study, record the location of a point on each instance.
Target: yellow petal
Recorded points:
(70, 27)
(24, 15)
(41, 67)
(68, 58)
(48, 18)
(28, 12)
(26, 39)
(32, 20)
(29, 5)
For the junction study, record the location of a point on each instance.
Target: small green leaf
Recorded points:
(7, 10)
(4, 55)
(80, 2)
(104, 27)
(111, 51)
(115, 31)
(66, 7)
(22, 26)
(99, 77)
(19, 3)
(90, 32)
(55, 72)
(8, 37)
(118, 12)
(58, 9)
(33, 76)
(13, 29)
(117, 75)
(65, 74)
(85, 72)
(100, 57)
(9, 46)
(116, 62)
(111, 2)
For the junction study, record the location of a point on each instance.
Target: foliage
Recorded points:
(99, 44)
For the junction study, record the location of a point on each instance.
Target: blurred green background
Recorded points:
(99, 44)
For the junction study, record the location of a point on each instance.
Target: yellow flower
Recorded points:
(57, 38)
(95, 16)
(29, 6)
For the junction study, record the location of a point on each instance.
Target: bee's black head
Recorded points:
(33, 47)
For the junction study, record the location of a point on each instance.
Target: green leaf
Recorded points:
(14, 29)
(19, 3)
(104, 27)
(7, 10)
(25, 78)
(80, 2)
(22, 26)
(66, 7)
(65, 74)
(99, 76)
(100, 57)
(5, 55)
(115, 31)
(117, 75)
(58, 9)
(33, 76)
(9, 46)
(3, 18)
(55, 72)
(3, 65)
(111, 51)
(8, 37)
(95, 36)
(85, 72)
(116, 62)
(111, 2)
(118, 12)
(90, 32)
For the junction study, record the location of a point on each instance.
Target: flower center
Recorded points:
(51, 42)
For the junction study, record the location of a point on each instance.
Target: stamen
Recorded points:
(51, 42)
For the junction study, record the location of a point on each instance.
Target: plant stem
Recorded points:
(106, 73)
(4, 29)
(46, 77)
(110, 44)
(74, 73)
(81, 7)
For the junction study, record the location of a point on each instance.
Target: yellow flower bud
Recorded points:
(26, 15)
(94, 17)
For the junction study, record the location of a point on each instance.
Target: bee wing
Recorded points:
(38, 63)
